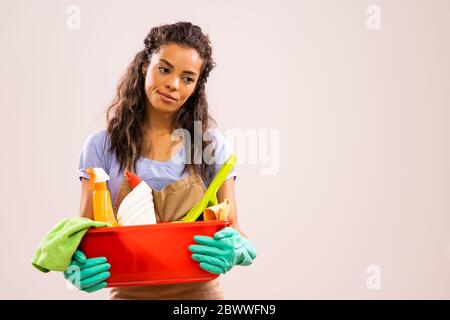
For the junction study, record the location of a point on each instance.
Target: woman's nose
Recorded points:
(173, 83)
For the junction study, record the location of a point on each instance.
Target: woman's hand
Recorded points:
(222, 252)
(88, 275)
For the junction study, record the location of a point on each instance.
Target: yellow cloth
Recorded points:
(218, 212)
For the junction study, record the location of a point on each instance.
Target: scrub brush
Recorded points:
(210, 197)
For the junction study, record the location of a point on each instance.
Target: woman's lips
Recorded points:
(166, 98)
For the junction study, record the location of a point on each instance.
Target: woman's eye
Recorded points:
(163, 70)
(166, 70)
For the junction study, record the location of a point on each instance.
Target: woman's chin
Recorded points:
(164, 108)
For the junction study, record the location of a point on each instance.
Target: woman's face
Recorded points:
(171, 76)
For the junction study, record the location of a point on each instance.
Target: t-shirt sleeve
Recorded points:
(93, 154)
(223, 150)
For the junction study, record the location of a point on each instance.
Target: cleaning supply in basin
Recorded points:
(132, 179)
(103, 210)
(210, 197)
(137, 207)
(217, 212)
(58, 246)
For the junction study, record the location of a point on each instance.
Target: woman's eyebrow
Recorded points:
(170, 65)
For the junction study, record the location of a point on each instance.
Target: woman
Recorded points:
(163, 90)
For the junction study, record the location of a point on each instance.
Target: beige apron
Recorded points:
(171, 204)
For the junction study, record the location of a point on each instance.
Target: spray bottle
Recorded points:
(103, 210)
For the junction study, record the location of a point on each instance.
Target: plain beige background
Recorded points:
(362, 116)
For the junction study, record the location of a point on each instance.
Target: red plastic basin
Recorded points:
(150, 254)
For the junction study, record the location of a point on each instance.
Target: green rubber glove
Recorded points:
(219, 254)
(88, 275)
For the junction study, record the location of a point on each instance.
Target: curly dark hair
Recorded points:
(125, 127)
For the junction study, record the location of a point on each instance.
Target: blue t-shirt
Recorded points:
(156, 174)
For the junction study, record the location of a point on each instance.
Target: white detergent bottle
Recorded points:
(137, 207)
